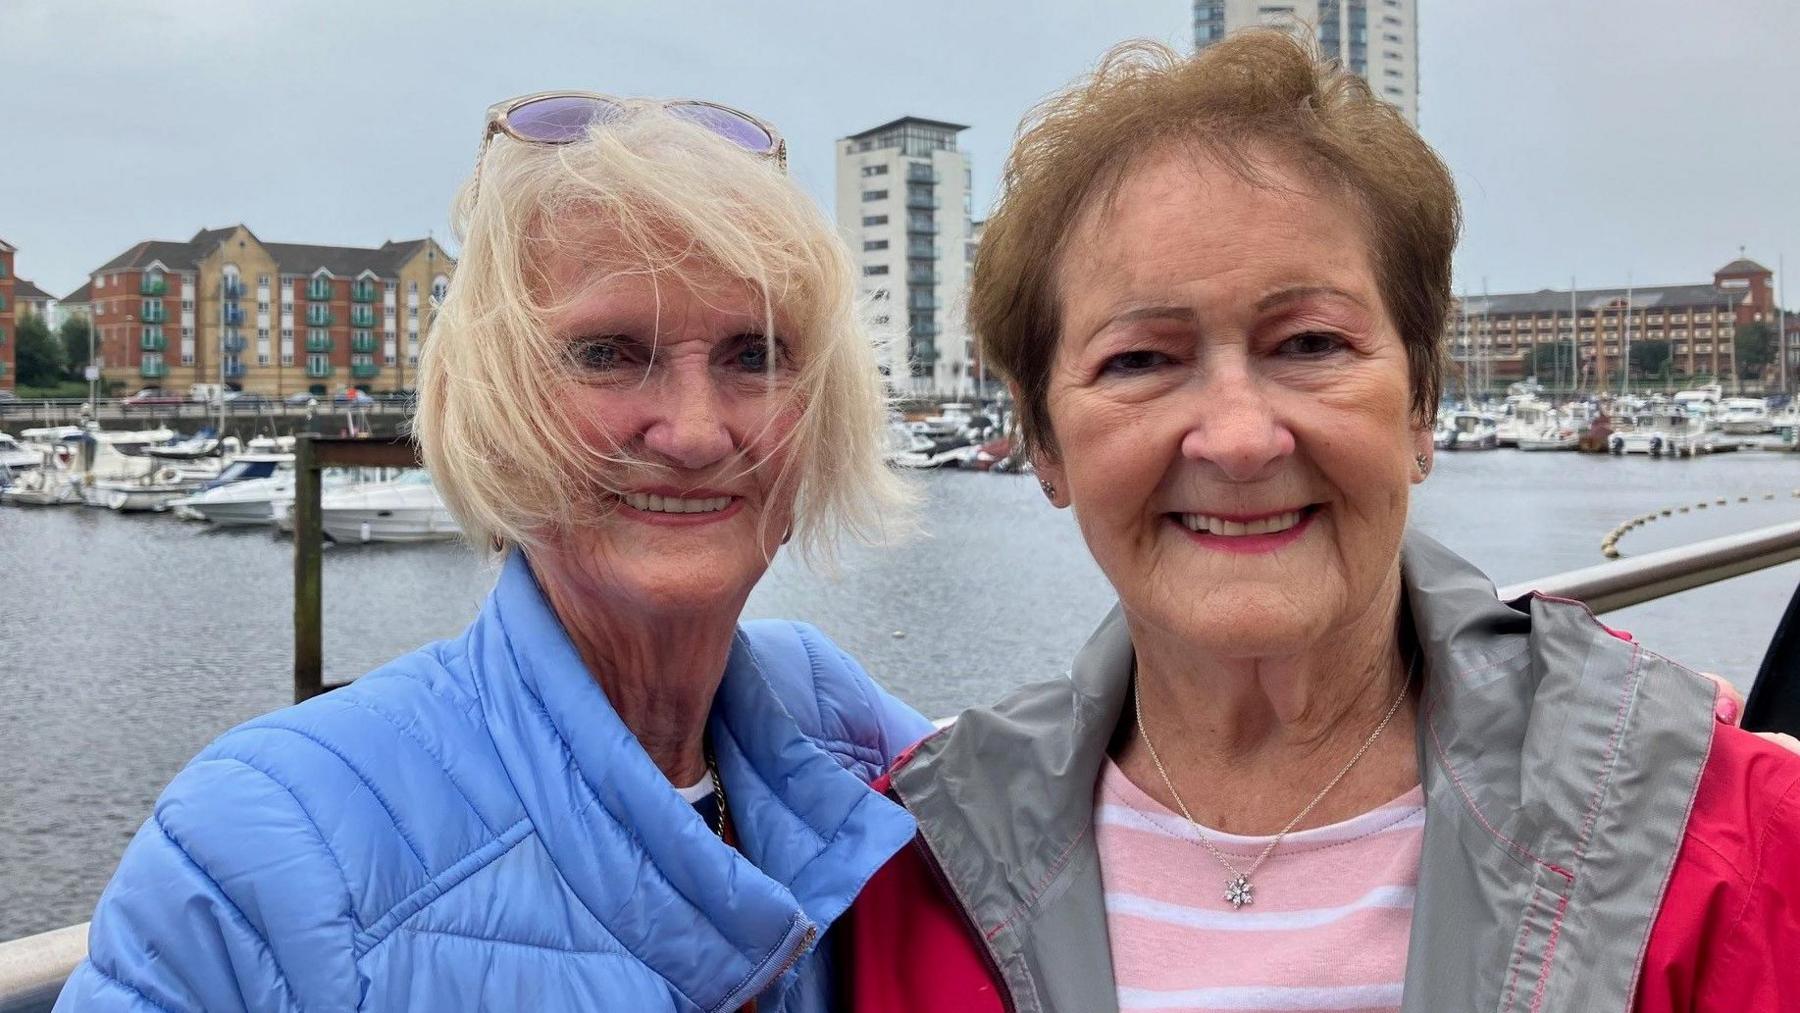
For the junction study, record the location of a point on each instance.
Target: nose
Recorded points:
(1233, 426)
(688, 426)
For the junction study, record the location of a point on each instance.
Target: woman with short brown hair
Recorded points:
(1310, 762)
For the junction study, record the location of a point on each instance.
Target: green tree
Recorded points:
(1755, 348)
(38, 358)
(74, 337)
(1649, 358)
(1552, 361)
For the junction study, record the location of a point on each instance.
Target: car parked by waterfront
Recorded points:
(154, 396)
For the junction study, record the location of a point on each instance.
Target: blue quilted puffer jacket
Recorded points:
(472, 827)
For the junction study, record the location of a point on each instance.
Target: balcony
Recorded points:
(318, 293)
(362, 343)
(318, 342)
(916, 173)
(923, 249)
(231, 315)
(318, 370)
(234, 369)
(154, 313)
(363, 293)
(922, 201)
(232, 343)
(153, 341)
(231, 289)
(318, 316)
(921, 278)
(152, 369)
(365, 370)
(153, 284)
(921, 227)
(927, 304)
(362, 316)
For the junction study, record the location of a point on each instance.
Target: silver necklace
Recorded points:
(1238, 888)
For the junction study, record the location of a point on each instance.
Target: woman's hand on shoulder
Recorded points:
(1729, 709)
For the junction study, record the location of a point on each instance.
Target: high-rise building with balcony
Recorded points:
(1378, 40)
(9, 339)
(274, 318)
(903, 204)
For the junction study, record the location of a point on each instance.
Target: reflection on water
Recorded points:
(128, 642)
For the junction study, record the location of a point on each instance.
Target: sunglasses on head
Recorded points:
(563, 117)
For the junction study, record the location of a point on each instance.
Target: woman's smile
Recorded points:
(1246, 533)
(683, 509)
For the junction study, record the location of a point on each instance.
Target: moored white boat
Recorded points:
(1468, 430)
(1744, 416)
(407, 509)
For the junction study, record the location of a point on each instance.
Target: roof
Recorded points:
(904, 120)
(23, 289)
(7, 247)
(1743, 265)
(290, 258)
(1551, 300)
(81, 296)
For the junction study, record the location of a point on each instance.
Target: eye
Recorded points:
(597, 355)
(1311, 345)
(754, 353)
(1138, 361)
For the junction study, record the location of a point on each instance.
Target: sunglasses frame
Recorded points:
(498, 122)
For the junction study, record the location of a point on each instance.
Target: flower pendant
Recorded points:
(1237, 891)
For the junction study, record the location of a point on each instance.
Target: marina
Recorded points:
(137, 639)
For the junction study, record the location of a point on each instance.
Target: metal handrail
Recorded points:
(1616, 585)
(33, 968)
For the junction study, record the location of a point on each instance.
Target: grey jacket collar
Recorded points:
(1559, 763)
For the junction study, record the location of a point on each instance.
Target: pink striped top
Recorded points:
(1327, 928)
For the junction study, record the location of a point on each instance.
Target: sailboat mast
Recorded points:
(1574, 342)
(1625, 361)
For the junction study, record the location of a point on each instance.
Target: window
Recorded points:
(1391, 37)
(440, 286)
(874, 195)
(875, 269)
(187, 358)
(875, 170)
(875, 244)
(262, 281)
(412, 313)
(874, 220)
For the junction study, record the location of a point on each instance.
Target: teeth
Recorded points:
(1237, 529)
(674, 504)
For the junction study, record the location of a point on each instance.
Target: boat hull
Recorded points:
(403, 524)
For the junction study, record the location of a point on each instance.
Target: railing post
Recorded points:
(309, 661)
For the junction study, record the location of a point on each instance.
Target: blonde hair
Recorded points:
(495, 429)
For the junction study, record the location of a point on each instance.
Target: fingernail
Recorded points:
(1726, 710)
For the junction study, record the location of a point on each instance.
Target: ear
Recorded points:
(1045, 465)
(1422, 445)
(1051, 471)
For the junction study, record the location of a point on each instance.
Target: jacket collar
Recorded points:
(1557, 793)
(721, 926)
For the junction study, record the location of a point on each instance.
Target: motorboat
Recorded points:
(1526, 416)
(242, 493)
(1468, 430)
(1665, 430)
(1745, 416)
(43, 486)
(406, 509)
(1553, 434)
(16, 458)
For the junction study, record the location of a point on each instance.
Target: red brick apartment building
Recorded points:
(1698, 321)
(274, 318)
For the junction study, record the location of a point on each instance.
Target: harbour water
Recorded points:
(128, 642)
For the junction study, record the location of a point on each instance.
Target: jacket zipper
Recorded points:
(987, 955)
(806, 940)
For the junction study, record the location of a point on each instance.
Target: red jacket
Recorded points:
(1726, 937)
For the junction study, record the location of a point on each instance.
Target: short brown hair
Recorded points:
(1257, 88)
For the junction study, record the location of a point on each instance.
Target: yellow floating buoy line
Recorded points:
(1609, 546)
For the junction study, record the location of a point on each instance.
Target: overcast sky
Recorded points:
(1598, 138)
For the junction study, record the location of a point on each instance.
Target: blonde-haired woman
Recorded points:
(606, 793)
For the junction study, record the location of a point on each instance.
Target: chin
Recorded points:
(1254, 620)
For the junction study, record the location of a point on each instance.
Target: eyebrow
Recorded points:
(1300, 292)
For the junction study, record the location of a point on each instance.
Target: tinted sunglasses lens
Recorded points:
(560, 119)
(734, 127)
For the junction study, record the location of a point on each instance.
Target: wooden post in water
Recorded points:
(309, 640)
(313, 454)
